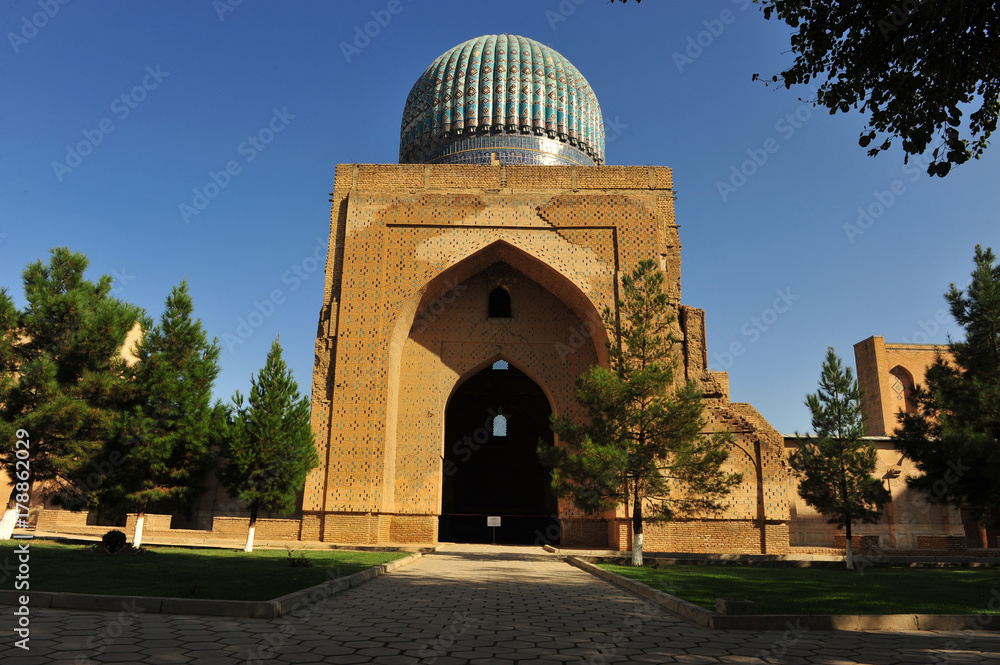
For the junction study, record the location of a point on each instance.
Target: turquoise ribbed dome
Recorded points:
(500, 86)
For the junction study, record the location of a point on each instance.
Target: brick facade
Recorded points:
(886, 373)
(414, 252)
(906, 521)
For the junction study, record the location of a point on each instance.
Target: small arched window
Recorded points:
(499, 304)
(501, 364)
(500, 425)
(902, 388)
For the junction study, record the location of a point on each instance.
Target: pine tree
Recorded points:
(954, 437)
(643, 443)
(63, 374)
(161, 445)
(270, 448)
(836, 467)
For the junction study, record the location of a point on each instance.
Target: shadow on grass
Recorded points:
(184, 573)
(829, 591)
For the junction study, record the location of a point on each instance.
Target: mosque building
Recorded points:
(462, 299)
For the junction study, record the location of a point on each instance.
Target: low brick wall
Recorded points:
(60, 520)
(592, 533)
(223, 528)
(153, 523)
(413, 529)
(950, 544)
(860, 544)
(266, 529)
(65, 521)
(356, 528)
(705, 536)
(312, 526)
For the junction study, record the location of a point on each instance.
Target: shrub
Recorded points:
(114, 540)
(299, 561)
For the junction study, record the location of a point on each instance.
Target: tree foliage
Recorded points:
(911, 65)
(835, 468)
(954, 436)
(643, 444)
(270, 448)
(160, 448)
(62, 376)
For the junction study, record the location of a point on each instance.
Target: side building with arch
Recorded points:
(887, 374)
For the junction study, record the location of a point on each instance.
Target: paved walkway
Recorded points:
(468, 604)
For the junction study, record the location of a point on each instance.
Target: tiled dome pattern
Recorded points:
(501, 85)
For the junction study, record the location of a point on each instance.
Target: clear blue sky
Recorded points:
(209, 79)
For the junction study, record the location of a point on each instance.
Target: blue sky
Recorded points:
(163, 95)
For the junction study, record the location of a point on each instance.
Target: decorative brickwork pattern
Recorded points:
(415, 250)
(886, 372)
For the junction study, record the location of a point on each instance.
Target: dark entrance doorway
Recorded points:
(492, 426)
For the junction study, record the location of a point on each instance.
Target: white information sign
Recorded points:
(493, 520)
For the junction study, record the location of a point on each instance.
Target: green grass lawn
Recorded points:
(828, 591)
(183, 573)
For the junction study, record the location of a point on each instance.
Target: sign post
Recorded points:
(493, 521)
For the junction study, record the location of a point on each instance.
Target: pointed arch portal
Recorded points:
(489, 472)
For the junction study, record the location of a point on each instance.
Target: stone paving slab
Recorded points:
(469, 604)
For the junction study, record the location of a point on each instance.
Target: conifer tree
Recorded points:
(954, 437)
(62, 376)
(836, 467)
(643, 444)
(270, 446)
(160, 450)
